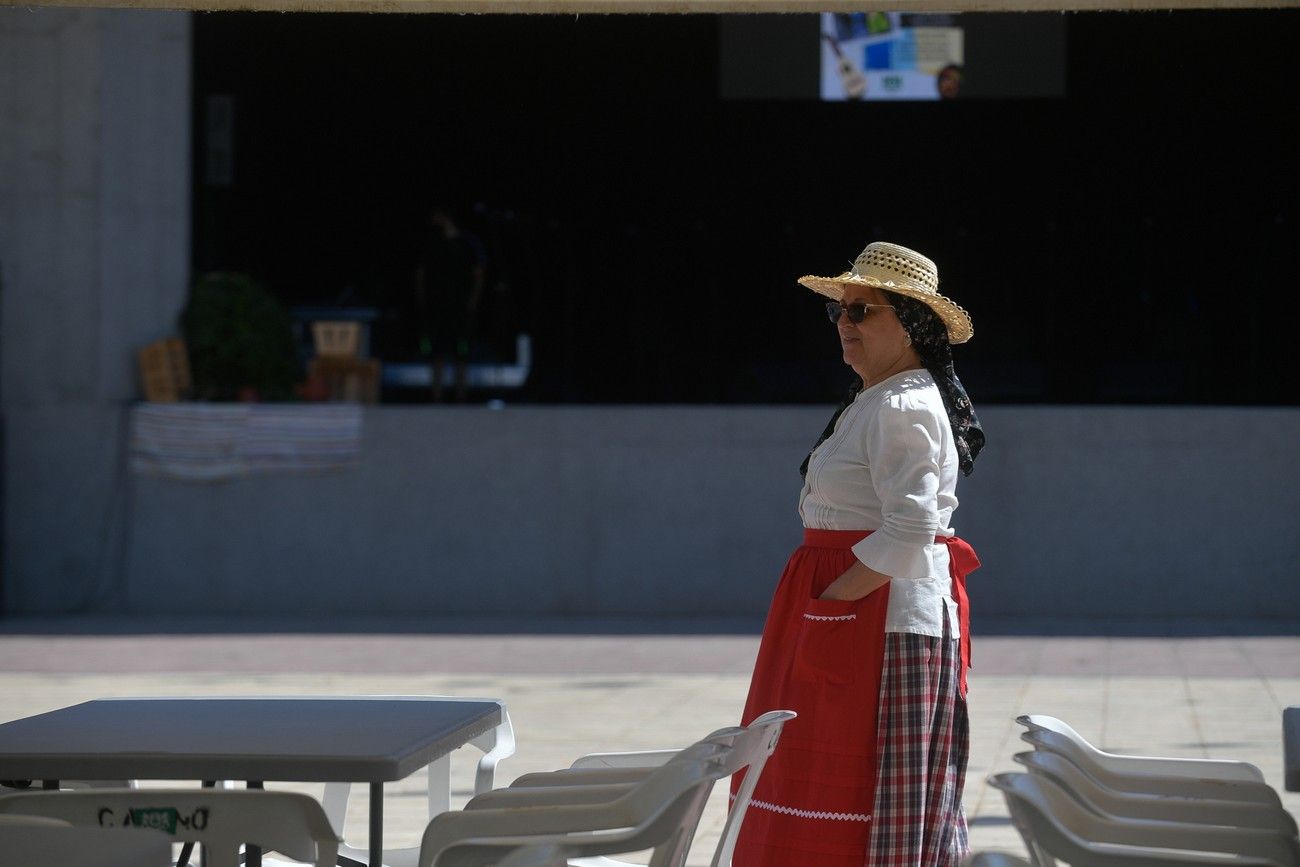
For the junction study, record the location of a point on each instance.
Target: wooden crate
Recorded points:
(165, 371)
(350, 379)
(336, 339)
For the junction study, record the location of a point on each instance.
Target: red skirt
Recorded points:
(822, 659)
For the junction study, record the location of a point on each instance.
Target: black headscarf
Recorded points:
(930, 339)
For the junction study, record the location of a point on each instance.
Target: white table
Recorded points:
(354, 739)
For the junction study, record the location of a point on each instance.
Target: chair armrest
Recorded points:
(581, 777)
(605, 826)
(512, 826)
(1145, 777)
(1247, 842)
(644, 759)
(497, 744)
(1161, 766)
(545, 796)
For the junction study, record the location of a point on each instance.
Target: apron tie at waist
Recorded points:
(962, 560)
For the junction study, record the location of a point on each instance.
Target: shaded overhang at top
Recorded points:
(570, 7)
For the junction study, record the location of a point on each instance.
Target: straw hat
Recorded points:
(898, 269)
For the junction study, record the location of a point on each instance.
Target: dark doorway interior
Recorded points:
(1130, 242)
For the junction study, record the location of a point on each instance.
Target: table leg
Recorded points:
(376, 824)
(253, 854)
(439, 786)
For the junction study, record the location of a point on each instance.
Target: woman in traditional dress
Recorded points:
(867, 637)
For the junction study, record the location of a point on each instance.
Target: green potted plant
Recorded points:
(239, 339)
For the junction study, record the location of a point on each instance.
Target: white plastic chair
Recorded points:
(660, 813)
(1160, 766)
(548, 855)
(220, 820)
(754, 744)
(1054, 826)
(1144, 781)
(36, 840)
(497, 744)
(1107, 801)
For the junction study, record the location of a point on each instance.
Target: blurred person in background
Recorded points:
(449, 279)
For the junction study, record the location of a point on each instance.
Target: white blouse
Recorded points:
(891, 466)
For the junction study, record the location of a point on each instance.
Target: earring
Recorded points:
(909, 340)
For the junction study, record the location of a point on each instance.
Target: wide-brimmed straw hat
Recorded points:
(898, 269)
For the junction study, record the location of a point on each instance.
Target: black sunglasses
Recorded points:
(857, 311)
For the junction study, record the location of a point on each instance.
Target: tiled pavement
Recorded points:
(621, 689)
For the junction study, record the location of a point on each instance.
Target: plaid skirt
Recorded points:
(872, 770)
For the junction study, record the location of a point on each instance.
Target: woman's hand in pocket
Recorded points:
(858, 581)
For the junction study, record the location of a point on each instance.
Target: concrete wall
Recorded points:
(1088, 513)
(678, 511)
(94, 262)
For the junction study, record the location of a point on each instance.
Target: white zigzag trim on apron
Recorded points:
(829, 617)
(810, 814)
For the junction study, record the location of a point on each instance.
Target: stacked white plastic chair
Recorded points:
(1086, 806)
(609, 804)
(656, 813)
(1141, 766)
(1057, 827)
(1149, 781)
(624, 767)
(1169, 808)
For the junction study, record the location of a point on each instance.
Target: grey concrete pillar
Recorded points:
(94, 262)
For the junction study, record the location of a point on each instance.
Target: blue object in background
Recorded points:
(904, 53)
(879, 55)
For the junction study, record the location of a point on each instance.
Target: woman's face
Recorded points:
(875, 343)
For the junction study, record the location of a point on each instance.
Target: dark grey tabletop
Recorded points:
(304, 739)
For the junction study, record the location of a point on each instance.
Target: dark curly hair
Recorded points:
(930, 339)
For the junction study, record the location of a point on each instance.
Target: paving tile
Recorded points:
(1195, 697)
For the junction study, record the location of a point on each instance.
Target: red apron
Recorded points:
(823, 659)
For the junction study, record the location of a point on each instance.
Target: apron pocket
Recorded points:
(828, 643)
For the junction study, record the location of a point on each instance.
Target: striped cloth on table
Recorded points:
(214, 441)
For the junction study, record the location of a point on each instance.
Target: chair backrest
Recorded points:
(752, 749)
(16, 820)
(1102, 799)
(52, 843)
(1167, 766)
(1145, 782)
(1055, 826)
(536, 856)
(221, 820)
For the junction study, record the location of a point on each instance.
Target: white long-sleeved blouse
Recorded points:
(891, 467)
